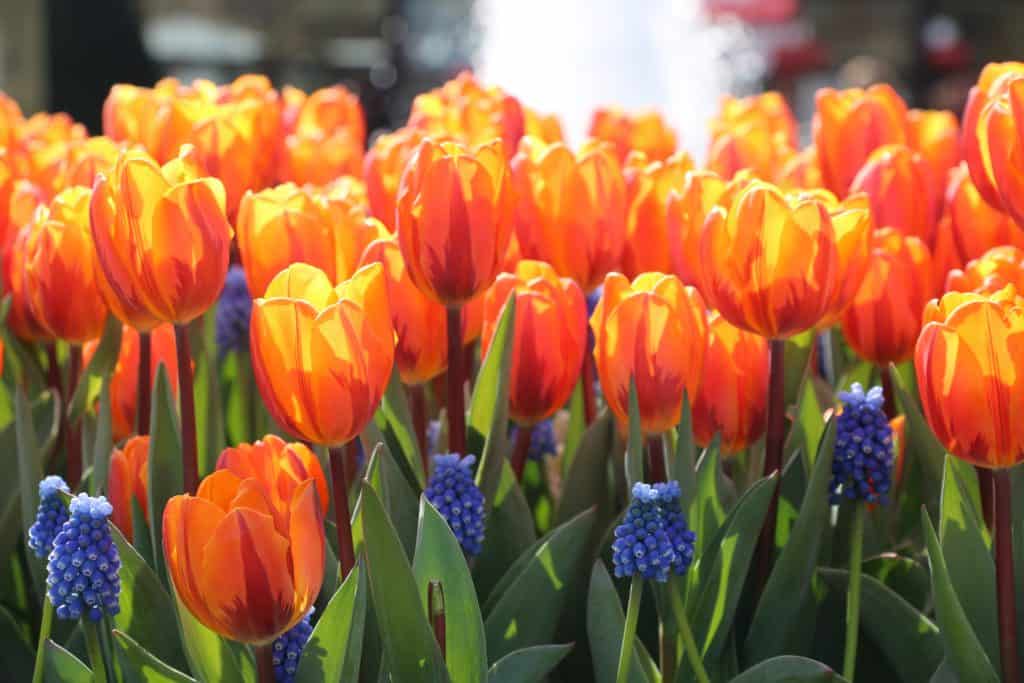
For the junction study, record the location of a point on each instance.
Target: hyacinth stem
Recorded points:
(524, 434)
(667, 648)
(189, 446)
(587, 377)
(264, 662)
(456, 383)
(656, 459)
(853, 591)
(95, 651)
(774, 441)
(1005, 591)
(435, 599)
(44, 634)
(418, 406)
(339, 482)
(986, 487)
(689, 644)
(636, 591)
(73, 432)
(143, 396)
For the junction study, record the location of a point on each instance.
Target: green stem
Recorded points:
(44, 635)
(683, 624)
(92, 646)
(636, 590)
(853, 591)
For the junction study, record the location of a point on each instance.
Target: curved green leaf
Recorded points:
(789, 669)
(100, 366)
(63, 667)
(395, 422)
(144, 665)
(165, 469)
(634, 460)
(905, 576)
(334, 649)
(103, 442)
(529, 665)
(605, 624)
(17, 656)
(510, 531)
(585, 484)
(211, 657)
(683, 467)
(488, 407)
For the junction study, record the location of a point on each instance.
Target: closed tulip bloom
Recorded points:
(282, 466)
(898, 184)
(748, 146)
(162, 238)
(851, 124)
(652, 331)
(326, 139)
(546, 127)
(11, 120)
(768, 110)
(86, 159)
(648, 185)
(454, 218)
(730, 401)
(41, 148)
(549, 339)
(466, 110)
(1000, 132)
(990, 272)
(642, 131)
(59, 252)
(322, 354)
(975, 226)
(128, 482)
(993, 82)
(245, 567)
(800, 171)
(935, 135)
(968, 358)
(383, 167)
(20, 318)
(570, 209)
(884, 320)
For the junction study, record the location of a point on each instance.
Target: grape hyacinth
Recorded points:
(453, 492)
(863, 455)
(233, 312)
(542, 439)
(433, 435)
(51, 515)
(83, 574)
(653, 538)
(287, 649)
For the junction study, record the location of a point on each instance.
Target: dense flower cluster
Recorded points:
(233, 311)
(542, 439)
(51, 515)
(287, 649)
(863, 456)
(653, 538)
(452, 491)
(83, 574)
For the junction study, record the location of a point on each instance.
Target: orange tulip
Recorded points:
(1000, 133)
(11, 120)
(883, 322)
(454, 218)
(642, 131)
(20, 319)
(549, 339)
(975, 226)
(748, 146)
(652, 331)
(993, 82)
(768, 110)
(968, 359)
(162, 238)
(86, 159)
(468, 111)
(282, 466)
(647, 189)
(40, 150)
(546, 127)
(246, 567)
(59, 252)
(326, 139)
(850, 124)
(935, 135)
(778, 264)
(289, 224)
(730, 401)
(570, 209)
(322, 355)
(898, 184)
(128, 482)
(124, 381)
(991, 272)
(383, 169)
(800, 171)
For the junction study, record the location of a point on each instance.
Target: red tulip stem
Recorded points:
(73, 440)
(887, 393)
(469, 362)
(435, 602)
(986, 487)
(656, 459)
(1006, 598)
(456, 383)
(339, 482)
(774, 441)
(53, 380)
(524, 433)
(589, 400)
(189, 446)
(264, 662)
(418, 405)
(145, 385)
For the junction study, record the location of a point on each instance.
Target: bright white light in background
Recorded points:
(571, 56)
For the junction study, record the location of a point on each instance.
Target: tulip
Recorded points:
(383, 167)
(975, 227)
(326, 139)
(546, 127)
(245, 567)
(993, 82)
(730, 401)
(800, 171)
(898, 183)
(991, 272)
(935, 135)
(85, 160)
(642, 131)
(850, 124)
(1000, 139)
(282, 466)
(468, 111)
(128, 483)
(40, 150)
(647, 189)
(748, 146)
(20, 319)
(11, 120)
(768, 110)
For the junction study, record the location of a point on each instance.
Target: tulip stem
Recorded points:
(93, 648)
(418, 405)
(264, 662)
(44, 635)
(889, 407)
(456, 384)
(853, 592)
(774, 442)
(342, 520)
(636, 591)
(524, 434)
(683, 624)
(189, 447)
(589, 400)
(656, 459)
(1005, 590)
(144, 384)
(986, 487)
(73, 439)
(435, 603)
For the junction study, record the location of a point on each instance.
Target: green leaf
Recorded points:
(397, 495)
(334, 649)
(921, 444)
(707, 512)
(605, 625)
(17, 656)
(144, 665)
(577, 426)
(63, 667)
(903, 575)
(789, 584)
(103, 442)
(488, 407)
(439, 557)
(789, 669)
(100, 366)
(797, 364)
(209, 410)
(211, 657)
(527, 612)
(165, 468)
(30, 459)
(964, 651)
(635, 447)
(509, 533)
(894, 625)
(410, 650)
(395, 422)
(25, 367)
(683, 467)
(585, 483)
(529, 665)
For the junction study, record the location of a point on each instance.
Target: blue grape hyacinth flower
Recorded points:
(83, 573)
(234, 309)
(653, 539)
(863, 455)
(453, 492)
(50, 517)
(287, 649)
(542, 439)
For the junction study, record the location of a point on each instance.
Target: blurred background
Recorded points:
(563, 56)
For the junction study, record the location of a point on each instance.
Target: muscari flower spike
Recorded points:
(83, 573)
(653, 538)
(287, 649)
(863, 455)
(51, 515)
(233, 312)
(542, 439)
(433, 435)
(453, 492)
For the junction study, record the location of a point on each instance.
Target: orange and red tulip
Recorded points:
(326, 139)
(570, 209)
(898, 184)
(748, 146)
(768, 110)
(993, 82)
(975, 226)
(322, 354)
(990, 272)
(11, 120)
(652, 331)
(383, 167)
(800, 171)
(935, 135)
(549, 339)
(454, 218)
(641, 131)
(20, 319)
(546, 127)
(282, 466)
(1000, 143)
(465, 109)
(648, 186)
(730, 401)
(40, 150)
(128, 482)
(245, 567)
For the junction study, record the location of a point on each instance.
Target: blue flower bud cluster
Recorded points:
(83, 572)
(653, 538)
(233, 311)
(542, 439)
(50, 517)
(863, 456)
(287, 649)
(453, 492)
